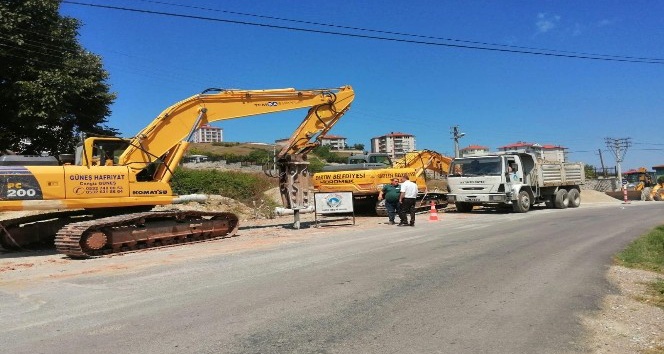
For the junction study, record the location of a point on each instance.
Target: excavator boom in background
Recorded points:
(427, 168)
(114, 177)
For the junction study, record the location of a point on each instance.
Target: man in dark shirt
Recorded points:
(391, 194)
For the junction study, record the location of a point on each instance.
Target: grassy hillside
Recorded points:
(227, 148)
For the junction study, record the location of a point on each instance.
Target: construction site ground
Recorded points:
(624, 323)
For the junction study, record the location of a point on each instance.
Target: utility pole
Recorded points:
(619, 149)
(456, 136)
(601, 161)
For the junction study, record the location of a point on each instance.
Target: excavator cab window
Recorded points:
(108, 152)
(384, 159)
(105, 151)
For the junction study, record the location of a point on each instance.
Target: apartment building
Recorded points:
(335, 142)
(474, 150)
(209, 134)
(396, 144)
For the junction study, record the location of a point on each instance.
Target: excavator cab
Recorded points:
(100, 151)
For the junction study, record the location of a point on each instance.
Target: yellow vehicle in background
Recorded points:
(112, 183)
(426, 168)
(657, 191)
(639, 183)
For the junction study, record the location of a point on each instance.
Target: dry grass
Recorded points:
(239, 149)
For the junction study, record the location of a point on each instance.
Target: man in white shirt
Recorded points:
(407, 201)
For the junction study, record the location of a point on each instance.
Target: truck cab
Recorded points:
(519, 180)
(484, 180)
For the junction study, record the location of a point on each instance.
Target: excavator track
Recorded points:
(131, 232)
(36, 230)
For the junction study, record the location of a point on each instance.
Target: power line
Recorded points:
(362, 29)
(400, 40)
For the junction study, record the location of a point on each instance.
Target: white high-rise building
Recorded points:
(395, 144)
(209, 134)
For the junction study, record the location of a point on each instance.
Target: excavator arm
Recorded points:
(166, 136)
(166, 139)
(424, 160)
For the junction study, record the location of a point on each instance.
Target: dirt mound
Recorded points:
(591, 196)
(260, 210)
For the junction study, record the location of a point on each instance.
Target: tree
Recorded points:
(590, 171)
(51, 88)
(358, 147)
(324, 153)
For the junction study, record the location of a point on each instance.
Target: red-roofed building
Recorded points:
(547, 152)
(474, 150)
(335, 142)
(396, 144)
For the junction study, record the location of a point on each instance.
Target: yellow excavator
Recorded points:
(656, 192)
(424, 167)
(113, 183)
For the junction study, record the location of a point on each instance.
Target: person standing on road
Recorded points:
(391, 193)
(407, 201)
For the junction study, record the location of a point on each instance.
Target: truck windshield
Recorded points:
(485, 166)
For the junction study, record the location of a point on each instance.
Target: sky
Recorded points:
(417, 67)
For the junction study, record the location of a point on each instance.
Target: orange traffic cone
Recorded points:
(433, 213)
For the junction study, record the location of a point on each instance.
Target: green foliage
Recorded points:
(245, 187)
(358, 147)
(259, 156)
(646, 252)
(324, 153)
(256, 156)
(657, 292)
(51, 88)
(315, 165)
(590, 171)
(225, 144)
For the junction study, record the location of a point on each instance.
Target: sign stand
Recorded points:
(333, 203)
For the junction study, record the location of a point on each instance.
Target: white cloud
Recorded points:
(546, 22)
(604, 22)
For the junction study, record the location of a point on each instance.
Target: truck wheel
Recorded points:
(574, 198)
(561, 201)
(522, 202)
(462, 207)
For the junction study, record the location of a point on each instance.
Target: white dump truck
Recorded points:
(516, 180)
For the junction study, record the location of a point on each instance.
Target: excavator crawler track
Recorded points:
(35, 231)
(130, 232)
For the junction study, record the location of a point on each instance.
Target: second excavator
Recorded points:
(113, 183)
(427, 168)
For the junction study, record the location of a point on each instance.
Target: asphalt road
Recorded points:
(470, 283)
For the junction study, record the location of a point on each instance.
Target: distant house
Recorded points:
(395, 144)
(546, 152)
(474, 150)
(209, 134)
(195, 158)
(659, 171)
(335, 142)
